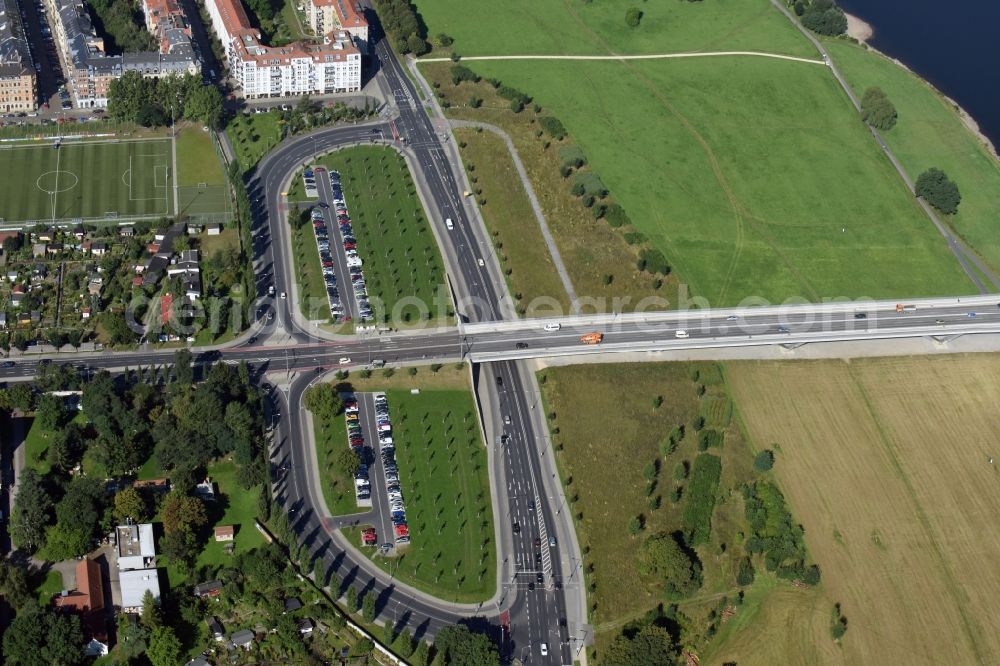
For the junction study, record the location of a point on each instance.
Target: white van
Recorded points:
(681, 334)
(449, 224)
(552, 327)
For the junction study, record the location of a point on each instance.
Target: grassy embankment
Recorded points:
(887, 464)
(930, 133)
(608, 455)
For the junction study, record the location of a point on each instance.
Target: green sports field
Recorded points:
(85, 179)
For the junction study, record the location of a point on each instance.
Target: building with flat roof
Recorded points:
(134, 585)
(17, 73)
(135, 546)
(296, 69)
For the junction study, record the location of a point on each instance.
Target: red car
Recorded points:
(402, 530)
(368, 536)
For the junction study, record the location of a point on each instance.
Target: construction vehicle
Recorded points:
(905, 308)
(591, 338)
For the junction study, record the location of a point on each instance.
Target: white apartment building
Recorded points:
(293, 70)
(327, 16)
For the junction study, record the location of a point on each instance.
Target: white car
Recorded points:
(449, 224)
(551, 328)
(482, 263)
(681, 334)
(344, 360)
(283, 295)
(544, 647)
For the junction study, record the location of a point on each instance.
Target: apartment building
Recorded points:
(327, 16)
(90, 69)
(297, 69)
(17, 72)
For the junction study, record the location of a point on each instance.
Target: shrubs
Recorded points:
(616, 216)
(572, 156)
(764, 461)
(679, 567)
(824, 17)
(553, 126)
(877, 110)
(460, 73)
(696, 519)
(654, 261)
(633, 15)
(939, 191)
(745, 572)
(592, 184)
(775, 533)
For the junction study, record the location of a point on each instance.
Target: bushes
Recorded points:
(633, 15)
(679, 567)
(939, 191)
(877, 110)
(592, 184)
(764, 461)
(775, 533)
(824, 17)
(460, 73)
(709, 439)
(572, 156)
(554, 127)
(616, 216)
(654, 261)
(696, 519)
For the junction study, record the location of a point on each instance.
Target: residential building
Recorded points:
(212, 588)
(90, 69)
(296, 69)
(244, 639)
(17, 73)
(135, 547)
(326, 16)
(215, 628)
(87, 601)
(225, 533)
(134, 585)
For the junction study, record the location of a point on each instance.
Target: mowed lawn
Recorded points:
(754, 176)
(505, 27)
(201, 180)
(402, 265)
(930, 133)
(887, 464)
(338, 488)
(445, 483)
(89, 180)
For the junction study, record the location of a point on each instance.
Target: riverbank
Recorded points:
(859, 29)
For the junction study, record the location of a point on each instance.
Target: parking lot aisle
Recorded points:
(382, 516)
(344, 286)
(340, 253)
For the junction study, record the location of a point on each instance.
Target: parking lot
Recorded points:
(387, 500)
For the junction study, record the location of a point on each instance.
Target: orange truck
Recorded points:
(592, 338)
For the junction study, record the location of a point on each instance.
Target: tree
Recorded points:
(133, 638)
(764, 461)
(50, 412)
(458, 646)
(42, 637)
(150, 616)
(32, 512)
(650, 646)
(417, 45)
(324, 401)
(877, 110)
(205, 104)
(634, 525)
(939, 191)
(182, 513)
(633, 15)
(183, 370)
(662, 556)
(368, 607)
(745, 572)
(164, 647)
(825, 18)
(129, 504)
(14, 586)
(64, 541)
(348, 462)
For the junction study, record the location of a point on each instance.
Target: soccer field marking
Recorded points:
(57, 186)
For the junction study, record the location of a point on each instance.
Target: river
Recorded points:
(954, 45)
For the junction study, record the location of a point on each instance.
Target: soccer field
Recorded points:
(86, 179)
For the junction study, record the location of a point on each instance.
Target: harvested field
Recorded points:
(887, 464)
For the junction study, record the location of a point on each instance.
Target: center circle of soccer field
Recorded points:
(53, 182)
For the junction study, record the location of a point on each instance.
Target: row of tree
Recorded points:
(406, 31)
(156, 102)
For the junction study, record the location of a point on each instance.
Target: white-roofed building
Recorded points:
(134, 585)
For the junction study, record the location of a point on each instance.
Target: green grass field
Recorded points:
(444, 478)
(931, 133)
(402, 265)
(201, 180)
(253, 136)
(754, 176)
(85, 179)
(338, 488)
(505, 27)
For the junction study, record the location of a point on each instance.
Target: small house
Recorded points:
(99, 248)
(244, 639)
(225, 533)
(53, 248)
(212, 588)
(3, 319)
(24, 318)
(39, 250)
(306, 626)
(36, 317)
(292, 604)
(157, 485)
(198, 661)
(213, 229)
(85, 314)
(215, 628)
(79, 232)
(205, 489)
(12, 276)
(126, 232)
(46, 235)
